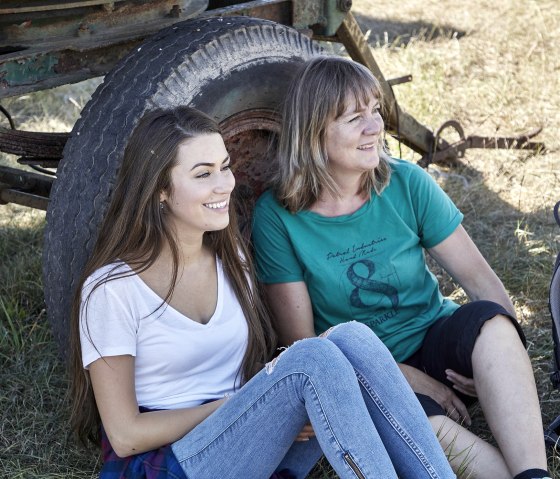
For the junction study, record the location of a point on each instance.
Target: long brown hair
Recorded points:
(316, 96)
(134, 230)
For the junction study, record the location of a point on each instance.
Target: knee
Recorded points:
(499, 338)
(310, 355)
(351, 328)
(353, 336)
(499, 327)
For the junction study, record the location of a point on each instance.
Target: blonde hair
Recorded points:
(318, 94)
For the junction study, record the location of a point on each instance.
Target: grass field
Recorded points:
(491, 65)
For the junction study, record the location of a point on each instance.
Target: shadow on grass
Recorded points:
(399, 33)
(34, 440)
(521, 248)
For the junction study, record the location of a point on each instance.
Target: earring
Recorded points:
(161, 205)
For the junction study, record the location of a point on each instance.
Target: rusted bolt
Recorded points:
(344, 5)
(84, 30)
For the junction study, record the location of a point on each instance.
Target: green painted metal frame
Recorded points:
(43, 53)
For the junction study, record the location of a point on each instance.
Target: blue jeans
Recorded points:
(367, 421)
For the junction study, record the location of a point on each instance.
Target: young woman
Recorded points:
(342, 237)
(171, 341)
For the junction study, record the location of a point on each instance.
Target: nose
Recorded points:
(374, 124)
(225, 182)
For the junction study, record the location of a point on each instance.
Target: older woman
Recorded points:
(342, 236)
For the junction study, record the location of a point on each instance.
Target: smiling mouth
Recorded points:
(369, 146)
(216, 206)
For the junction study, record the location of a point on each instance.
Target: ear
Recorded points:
(163, 196)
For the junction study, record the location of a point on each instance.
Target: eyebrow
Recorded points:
(226, 159)
(365, 107)
(358, 110)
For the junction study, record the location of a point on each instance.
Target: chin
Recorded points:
(219, 226)
(374, 163)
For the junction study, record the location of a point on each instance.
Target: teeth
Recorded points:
(365, 147)
(215, 206)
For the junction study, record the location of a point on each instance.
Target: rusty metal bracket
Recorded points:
(451, 152)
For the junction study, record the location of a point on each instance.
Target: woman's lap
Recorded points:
(258, 425)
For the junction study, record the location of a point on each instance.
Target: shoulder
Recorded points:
(406, 170)
(268, 201)
(408, 176)
(115, 275)
(269, 210)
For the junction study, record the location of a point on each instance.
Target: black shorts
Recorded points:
(449, 344)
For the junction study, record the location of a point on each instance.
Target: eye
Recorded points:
(226, 167)
(206, 174)
(354, 118)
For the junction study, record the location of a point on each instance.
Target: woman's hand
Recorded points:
(461, 383)
(423, 384)
(306, 433)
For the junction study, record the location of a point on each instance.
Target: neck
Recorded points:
(190, 249)
(346, 201)
(344, 204)
(347, 181)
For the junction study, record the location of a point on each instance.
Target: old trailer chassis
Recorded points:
(95, 52)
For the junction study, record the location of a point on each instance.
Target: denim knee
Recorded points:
(351, 327)
(354, 334)
(309, 356)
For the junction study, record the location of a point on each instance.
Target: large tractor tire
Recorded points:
(234, 69)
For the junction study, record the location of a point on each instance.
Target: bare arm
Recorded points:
(460, 257)
(291, 310)
(130, 432)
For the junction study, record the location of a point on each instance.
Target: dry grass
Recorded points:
(34, 441)
(491, 65)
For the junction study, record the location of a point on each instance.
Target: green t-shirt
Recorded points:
(367, 266)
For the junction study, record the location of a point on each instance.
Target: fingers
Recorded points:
(464, 390)
(453, 406)
(452, 411)
(461, 412)
(461, 383)
(306, 433)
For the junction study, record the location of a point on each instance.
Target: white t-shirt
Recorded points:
(178, 362)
